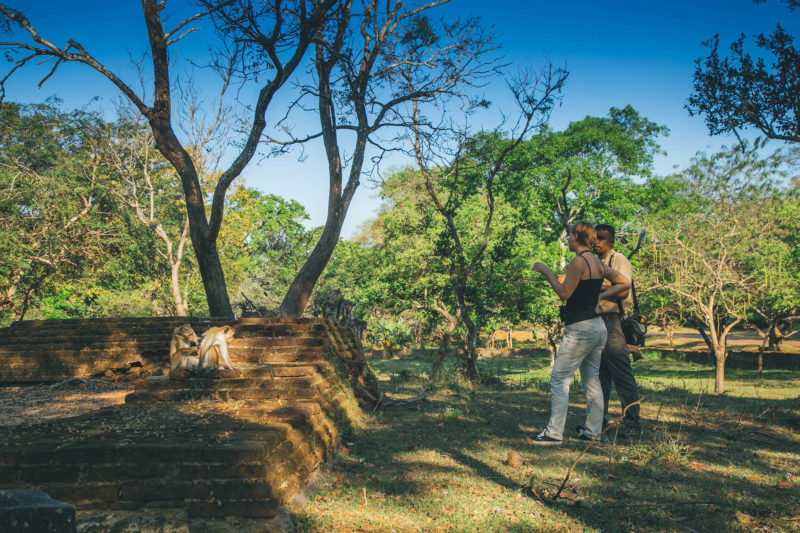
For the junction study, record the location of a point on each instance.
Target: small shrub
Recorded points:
(389, 335)
(452, 413)
(406, 374)
(490, 379)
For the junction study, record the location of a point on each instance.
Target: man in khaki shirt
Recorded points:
(615, 363)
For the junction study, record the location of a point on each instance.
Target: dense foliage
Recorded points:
(93, 224)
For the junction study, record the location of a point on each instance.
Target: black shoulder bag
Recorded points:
(634, 326)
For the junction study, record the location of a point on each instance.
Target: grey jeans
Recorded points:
(615, 369)
(580, 348)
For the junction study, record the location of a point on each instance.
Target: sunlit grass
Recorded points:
(439, 464)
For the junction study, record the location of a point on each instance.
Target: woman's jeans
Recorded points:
(581, 347)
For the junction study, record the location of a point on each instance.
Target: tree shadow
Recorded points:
(688, 453)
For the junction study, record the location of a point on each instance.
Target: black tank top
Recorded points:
(580, 305)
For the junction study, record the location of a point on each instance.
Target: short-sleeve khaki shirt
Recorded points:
(621, 264)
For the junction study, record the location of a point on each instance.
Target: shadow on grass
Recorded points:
(695, 467)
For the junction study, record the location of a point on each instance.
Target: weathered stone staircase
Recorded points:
(225, 442)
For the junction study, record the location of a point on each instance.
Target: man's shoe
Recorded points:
(582, 436)
(544, 439)
(580, 427)
(629, 433)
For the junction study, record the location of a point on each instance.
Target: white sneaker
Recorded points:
(544, 439)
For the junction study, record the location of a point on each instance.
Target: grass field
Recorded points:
(704, 463)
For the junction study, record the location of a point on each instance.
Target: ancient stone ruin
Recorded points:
(235, 442)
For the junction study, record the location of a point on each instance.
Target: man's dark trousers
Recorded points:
(615, 368)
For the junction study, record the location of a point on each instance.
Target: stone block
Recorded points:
(50, 472)
(86, 452)
(33, 511)
(144, 453)
(234, 453)
(84, 495)
(190, 471)
(150, 490)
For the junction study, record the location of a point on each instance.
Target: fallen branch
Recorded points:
(776, 439)
(591, 443)
(676, 504)
(89, 382)
(385, 401)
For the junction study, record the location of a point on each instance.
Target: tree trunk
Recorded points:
(441, 353)
(670, 338)
(213, 279)
(451, 323)
(296, 299)
(180, 308)
(490, 340)
(552, 348)
(551, 333)
(669, 333)
(510, 337)
(205, 244)
(720, 354)
(471, 357)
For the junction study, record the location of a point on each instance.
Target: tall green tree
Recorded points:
(264, 245)
(462, 188)
(775, 304)
(585, 172)
(54, 217)
(260, 42)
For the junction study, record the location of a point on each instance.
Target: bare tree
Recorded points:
(274, 39)
(141, 180)
(703, 241)
(363, 58)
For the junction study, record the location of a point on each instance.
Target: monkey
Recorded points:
(329, 308)
(345, 312)
(213, 350)
(183, 348)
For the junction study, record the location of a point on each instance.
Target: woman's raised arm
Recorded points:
(574, 271)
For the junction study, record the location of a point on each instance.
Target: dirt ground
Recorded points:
(24, 407)
(33, 404)
(28, 405)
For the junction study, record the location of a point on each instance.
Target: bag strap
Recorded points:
(633, 290)
(619, 301)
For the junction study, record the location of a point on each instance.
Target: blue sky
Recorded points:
(618, 52)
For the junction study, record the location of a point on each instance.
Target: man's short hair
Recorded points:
(607, 232)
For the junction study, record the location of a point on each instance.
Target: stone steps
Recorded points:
(43, 351)
(219, 442)
(157, 350)
(265, 463)
(150, 340)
